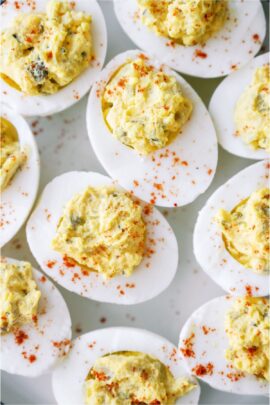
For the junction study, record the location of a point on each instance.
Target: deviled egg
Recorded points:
(51, 52)
(200, 38)
(226, 344)
(242, 124)
(19, 172)
(126, 366)
(95, 239)
(151, 131)
(35, 322)
(231, 236)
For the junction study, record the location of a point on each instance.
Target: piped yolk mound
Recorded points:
(12, 157)
(129, 378)
(102, 229)
(19, 296)
(144, 109)
(187, 22)
(248, 328)
(252, 112)
(246, 231)
(42, 52)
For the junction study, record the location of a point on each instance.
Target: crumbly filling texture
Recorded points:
(248, 329)
(102, 229)
(144, 109)
(252, 111)
(246, 231)
(42, 52)
(187, 22)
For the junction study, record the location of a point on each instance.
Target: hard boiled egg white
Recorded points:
(69, 377)
(50, 104)
(204, 334)
(233, 46)
(150, 278)
(170, 177)
(209, 248)
(18, 197)
(222, 107)
(41, 346)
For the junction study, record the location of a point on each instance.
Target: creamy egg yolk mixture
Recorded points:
(129, 378)
(144, 108)
(246, 231)
(103, 230)
(42, 52)
(252, 111)
(248, 328)
(188, 22)
(11, 155)
(19, 296)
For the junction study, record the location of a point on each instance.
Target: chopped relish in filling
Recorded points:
(11, 155)
(144, 109)
(129, 378)
(19, 296)
(252, 112)
(248, 329)
(246, 231)
(102, 229)
(188, 22)
(42, 52)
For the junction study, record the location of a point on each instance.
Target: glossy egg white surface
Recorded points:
(233, 46)
(46, 342)
(50, 104)
(227, 95)
(205, 329)
(209, 248)
(18, 197)
(149, 279)
(183, 170)
(69, 377)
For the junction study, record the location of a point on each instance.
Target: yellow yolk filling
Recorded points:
(248, 329)
(188, 22)
(252, 112)
(129, 378)
(102, 229)
(19, 296)
(11, 155)
(144, 109)
(246, 231)
(42, 52)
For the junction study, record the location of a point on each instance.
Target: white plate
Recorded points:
(64, 146)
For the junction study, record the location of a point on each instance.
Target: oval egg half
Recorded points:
(203, 343)
(68, 379)
(222, 108)
(44, 343)
(149, 279)
(169, 177)
(67, 96)
(19, 195)
(209, 247)
(233, 46)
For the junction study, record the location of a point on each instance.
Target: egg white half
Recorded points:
(222, 107)
(50, 104)
(209, 248)
(48, 340)
(69, 377)
(231, 47)
(149, 279)
(184, 169)
(18, 197)
(210, 343)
